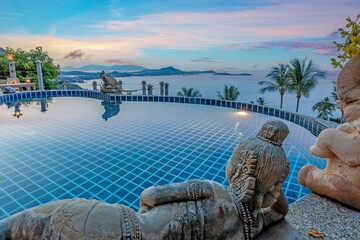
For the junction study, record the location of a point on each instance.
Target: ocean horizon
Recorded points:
(249, 87)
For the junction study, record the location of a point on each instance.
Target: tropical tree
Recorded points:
(279, 76)
(351, 47)
(25, 65)
(188, 92)
(261, 101)
(333, 96)
(230, 93)
(325, 108)
(303, 77)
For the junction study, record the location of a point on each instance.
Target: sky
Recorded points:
(221, 35)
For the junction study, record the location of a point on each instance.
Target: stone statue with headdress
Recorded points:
(195, 209)
(341, 146)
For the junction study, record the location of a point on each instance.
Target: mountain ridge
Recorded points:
(167, 71)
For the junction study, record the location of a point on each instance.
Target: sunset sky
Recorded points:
(227, 35)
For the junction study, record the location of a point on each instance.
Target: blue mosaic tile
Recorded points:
(76, 155)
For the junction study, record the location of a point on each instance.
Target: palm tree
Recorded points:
(188, 92)
(325, 108)
(261, 101)
(279, 77)
(303, 78)
(230, 93)
(333, 96)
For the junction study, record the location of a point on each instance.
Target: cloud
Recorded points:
(74, 55)
(115, 9)
(319, 48)
(119, 61)
(203, 59)
(279, 24)
(279, 20)
(254, 66)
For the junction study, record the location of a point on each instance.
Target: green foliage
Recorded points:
(303, 77)
(351, 47)
(261, 101)
(188, 92)
(279, 76)
(230, 93)
(325, 108)
(25, 65)
(337, 120)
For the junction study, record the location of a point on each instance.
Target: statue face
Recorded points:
(269, 131)
(351, 109)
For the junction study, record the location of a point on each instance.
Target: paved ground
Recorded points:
(330, 217)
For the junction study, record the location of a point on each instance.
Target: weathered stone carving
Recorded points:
(110, 85)
(341, 178)
(195, 209)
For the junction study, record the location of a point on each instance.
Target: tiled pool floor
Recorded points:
(71, 151)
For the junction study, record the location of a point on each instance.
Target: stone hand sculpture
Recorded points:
(341, 178)
(110, 85)
(195, 209)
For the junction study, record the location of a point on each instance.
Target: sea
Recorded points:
(249, 87)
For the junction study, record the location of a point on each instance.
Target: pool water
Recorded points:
(75, 147)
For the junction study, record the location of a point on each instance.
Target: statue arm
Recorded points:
(186, 191)
(332, 143)
(346, 127)
(274, 213)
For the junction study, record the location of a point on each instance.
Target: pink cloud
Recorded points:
(319, 48)
(295, 19)
(246, 30)
(119, 61)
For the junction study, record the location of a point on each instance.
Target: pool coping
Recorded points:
(309, 123)
(334, 219)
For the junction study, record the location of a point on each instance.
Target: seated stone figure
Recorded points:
(195, 209)
(110, 85)
(341, 146)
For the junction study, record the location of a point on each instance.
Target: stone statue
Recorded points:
(195, 209)
(110, 85)
(341, 178)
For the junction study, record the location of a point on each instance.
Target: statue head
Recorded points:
(348, 89)
(274, 132)
(348, 82)
(258, 164)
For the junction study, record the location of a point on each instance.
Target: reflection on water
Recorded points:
(43, 102)
(111, 109)
(17, 110)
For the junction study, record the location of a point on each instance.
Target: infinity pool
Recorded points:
(77, 147)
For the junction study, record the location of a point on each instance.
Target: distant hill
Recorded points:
(162, 71)
(94, 67)
(76, 76)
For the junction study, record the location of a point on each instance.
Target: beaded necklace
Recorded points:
(249, 223)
